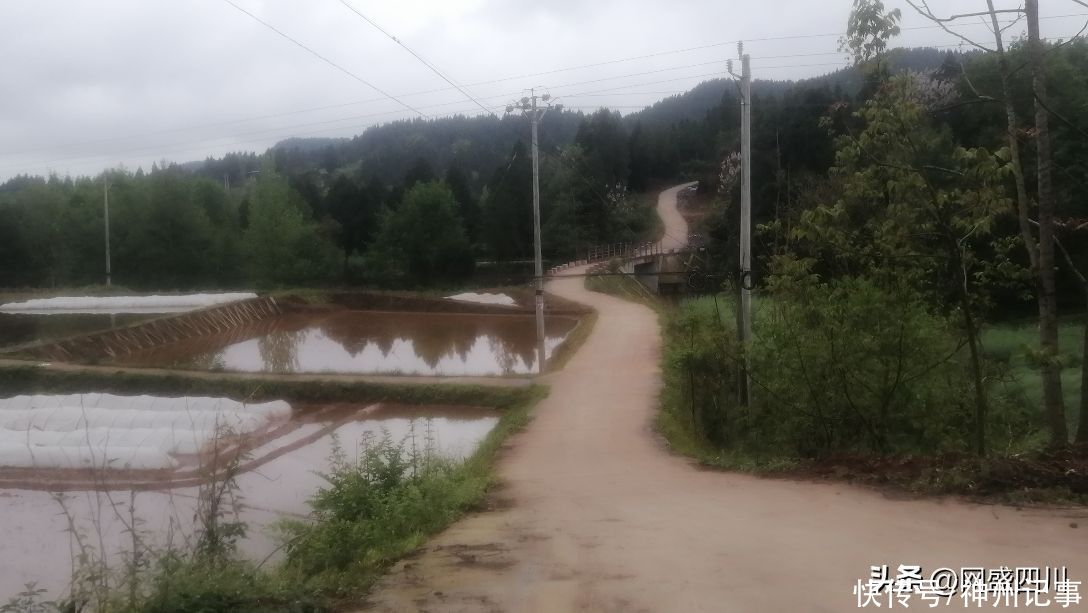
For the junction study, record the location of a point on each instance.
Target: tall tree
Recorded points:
(467, 206)
(282, 246)
(420, 172)
(603, 139)
(424, 237)
(915, 208)
(1048, 299)
(1041, 252)
(507, 229)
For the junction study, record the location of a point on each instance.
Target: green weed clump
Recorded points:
(844, 367)
(373, 511)
(182, 584)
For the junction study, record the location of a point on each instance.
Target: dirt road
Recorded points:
(595, 514)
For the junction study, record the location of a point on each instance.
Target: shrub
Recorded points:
(374, 510)
(845, 366)
(860, 368)
(185, 584)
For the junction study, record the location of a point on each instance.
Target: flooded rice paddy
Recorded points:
(19, 328)
(368, 342)
(279, 473)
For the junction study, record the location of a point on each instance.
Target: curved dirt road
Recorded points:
(595, 515)
(675, 226)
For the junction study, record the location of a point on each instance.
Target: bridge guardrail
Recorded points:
(607, 252)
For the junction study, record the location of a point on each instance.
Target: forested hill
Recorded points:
(479, 145)
(694, 103)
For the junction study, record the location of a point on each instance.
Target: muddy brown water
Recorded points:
(19, 328)
(368, 342)
(35, 544)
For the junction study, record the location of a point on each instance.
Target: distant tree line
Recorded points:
(315, 211)
(288, 218)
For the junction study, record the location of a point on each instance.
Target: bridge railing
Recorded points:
(611, 251)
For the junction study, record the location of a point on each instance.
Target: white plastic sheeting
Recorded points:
(500, 299)
(122, 304)
(131, 432)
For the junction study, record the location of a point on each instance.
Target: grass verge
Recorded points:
(626, 287)
(34, 380)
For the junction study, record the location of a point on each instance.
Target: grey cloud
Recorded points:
(141, 72)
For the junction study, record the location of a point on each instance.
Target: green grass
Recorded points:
(1012, 344)
(31, 380)
(626, 287)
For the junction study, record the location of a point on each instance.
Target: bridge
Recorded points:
(663, 267)
(661, 270)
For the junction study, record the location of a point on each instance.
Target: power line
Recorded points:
(168, 146)
(174, 150)
(711, 46)
(479, 83)
(326, 60)
(429, 65)
(327, 107)
(475, 100)
(172, 147)
(370, 115)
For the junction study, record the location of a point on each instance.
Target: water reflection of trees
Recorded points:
(209, 351)
(279, 350)
(437, 336)
(432, 337)
(212, 360)
(16, 329)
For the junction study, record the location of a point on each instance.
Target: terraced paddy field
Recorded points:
(81, 470)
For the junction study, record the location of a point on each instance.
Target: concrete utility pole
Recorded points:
(529, 106)
(106, 209)
(744, 277)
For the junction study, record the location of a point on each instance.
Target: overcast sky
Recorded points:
(95, 84)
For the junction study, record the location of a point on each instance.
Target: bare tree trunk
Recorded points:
(1048, 311)
(971, 327)
(981, 404)
(1082, 427)
(1013, 125)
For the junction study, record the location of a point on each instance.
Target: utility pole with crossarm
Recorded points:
(744, 278)
(528, 105)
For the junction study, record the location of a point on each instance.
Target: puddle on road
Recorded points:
(35, 544)
(19, 328)
(369, 342)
